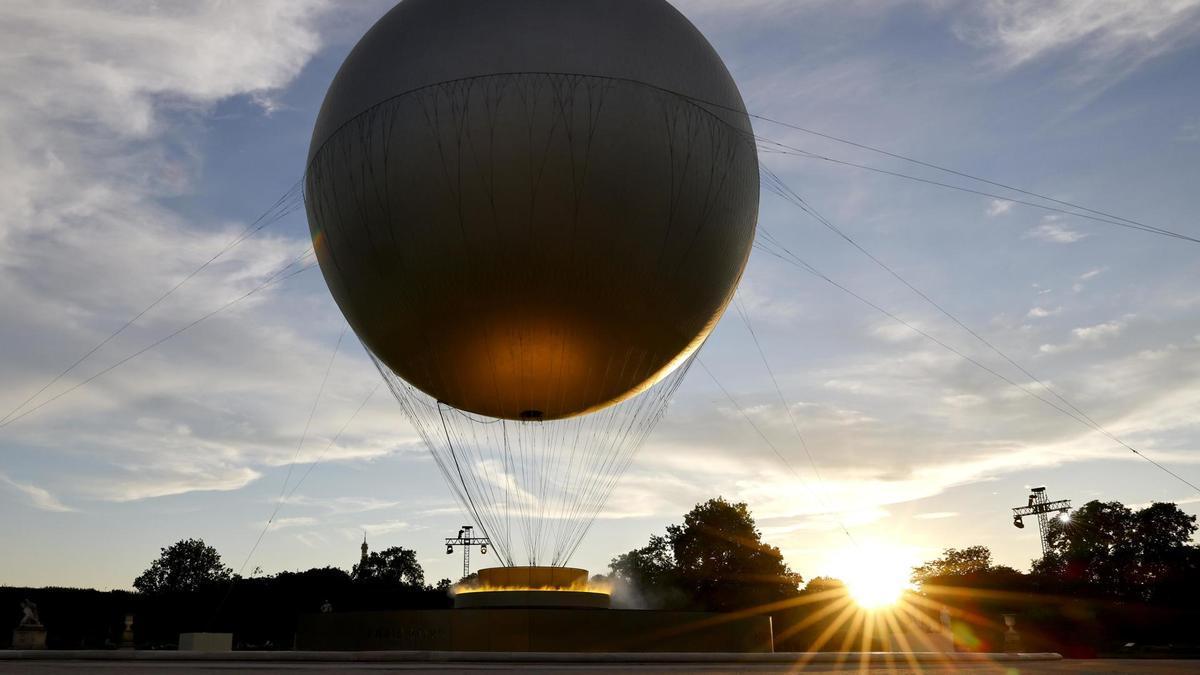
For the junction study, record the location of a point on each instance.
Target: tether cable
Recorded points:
(274, 279)
(287, 203)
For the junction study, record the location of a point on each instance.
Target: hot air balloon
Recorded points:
(532, 213)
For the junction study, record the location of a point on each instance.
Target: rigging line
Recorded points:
(481, 510)
(259, 223)
(276, 278)
(283, 491)
(335, 438)
(454, 456)
(612, 440)
(1080, 415)
(796, 152)
(308, 423)
(1181, 478)
(508, 477)
(1137, 224)
(741, 309)
(763, 435)
(949, 170)
(606, 436)
(798, 262)
(654, 410)
(808, 208)
(702, 104)
(292, 465)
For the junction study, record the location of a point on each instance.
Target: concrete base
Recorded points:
(206, 642)
(29, 637)
(534, 630)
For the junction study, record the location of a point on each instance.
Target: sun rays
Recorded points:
(876, 573)
(874, 617)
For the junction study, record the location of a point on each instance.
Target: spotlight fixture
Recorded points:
(1040, 505)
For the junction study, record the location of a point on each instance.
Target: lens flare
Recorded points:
(876, 574)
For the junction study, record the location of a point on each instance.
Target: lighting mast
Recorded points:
(466, 540)
(1040, 505)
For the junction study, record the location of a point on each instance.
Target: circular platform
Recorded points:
(559, 578)
(531, 587)
(531, 598)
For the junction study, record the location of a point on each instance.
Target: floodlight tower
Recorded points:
(466, 539)
(1040, 505)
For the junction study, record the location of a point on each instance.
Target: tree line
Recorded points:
(190, 565)
(1111, 573)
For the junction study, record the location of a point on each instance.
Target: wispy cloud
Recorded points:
(891, 331)
(38, 497)
(1054, 232)
(764, 306)
(98, 124)
(1099, 331)
(999, 207)
(1087, 335)
(1080, 284)
(1107, 34)
(164, 481)
(289, 522)
(936, 515)
(1043, 312)
(343, 505)
(385, 527)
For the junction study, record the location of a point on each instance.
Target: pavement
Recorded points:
(175, 663)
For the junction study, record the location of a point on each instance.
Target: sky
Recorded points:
(138, 138)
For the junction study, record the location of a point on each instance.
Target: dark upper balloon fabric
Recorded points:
(532, 209)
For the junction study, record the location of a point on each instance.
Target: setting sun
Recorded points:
(876, 574)
(873, 592)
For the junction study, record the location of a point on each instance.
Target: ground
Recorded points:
(55, 667)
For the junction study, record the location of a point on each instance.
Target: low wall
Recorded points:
(534, 630)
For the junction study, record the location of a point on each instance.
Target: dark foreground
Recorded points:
(266, 668)
(49, 663)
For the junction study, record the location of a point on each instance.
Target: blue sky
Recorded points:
(136, 139)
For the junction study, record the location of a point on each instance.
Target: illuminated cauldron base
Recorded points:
(534, 609)
(529, 587)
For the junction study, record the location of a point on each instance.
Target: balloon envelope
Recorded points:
(532, 209)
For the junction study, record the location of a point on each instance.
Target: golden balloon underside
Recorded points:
(520, 258)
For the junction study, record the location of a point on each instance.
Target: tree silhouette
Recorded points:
(186, 565)
(716, 560)
(1118, 551)
(972, 561)
(824, 585)
(394, 566)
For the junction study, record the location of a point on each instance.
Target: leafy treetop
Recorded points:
(716, 560)
(186, 565)
(396, 565)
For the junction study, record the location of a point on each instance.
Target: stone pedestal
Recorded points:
(29, 637)
(127, 634)
(1012, 639)
(205, 642)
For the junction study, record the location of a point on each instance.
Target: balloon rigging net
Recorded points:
(533, 487)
